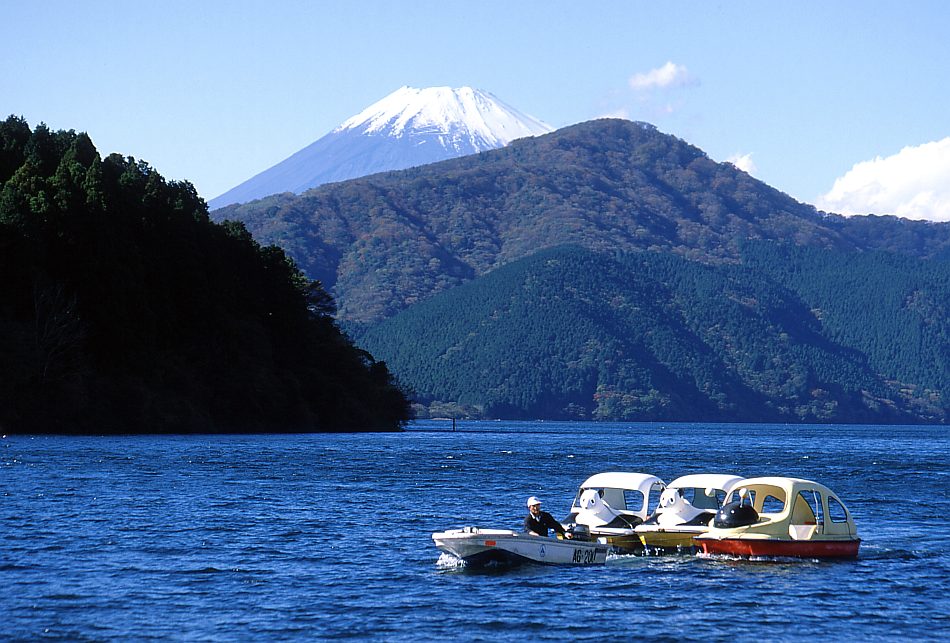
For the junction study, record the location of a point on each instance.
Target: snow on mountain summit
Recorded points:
(409, 127)
(484, 120)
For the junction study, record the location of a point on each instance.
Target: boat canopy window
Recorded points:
(698, 498)
(772, 504)
(807, 508)
(654, 502)
(616, 498)
(836, 510)
(619, 499)
(764, 498)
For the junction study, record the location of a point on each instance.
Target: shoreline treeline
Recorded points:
(125, 309)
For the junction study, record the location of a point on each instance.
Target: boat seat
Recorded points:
(700, 519)
(802, 532)
(624, 522)
(802, 513)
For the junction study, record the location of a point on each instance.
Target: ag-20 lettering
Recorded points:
(584, 556)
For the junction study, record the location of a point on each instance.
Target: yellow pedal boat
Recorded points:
(686, 509)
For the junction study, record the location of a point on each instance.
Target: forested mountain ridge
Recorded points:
(787, 334)
(385, 242)
(125, 309)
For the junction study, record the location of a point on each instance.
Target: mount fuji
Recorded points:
(409, 127)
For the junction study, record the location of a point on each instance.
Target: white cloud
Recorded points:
(914, 184)
(669, 75)
(744, 162)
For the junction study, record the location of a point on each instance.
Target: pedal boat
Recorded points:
(687, 507)
(480, 547)
(782, 517)
(608, 506)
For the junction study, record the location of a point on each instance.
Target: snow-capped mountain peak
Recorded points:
(469, 113)
(409, 127)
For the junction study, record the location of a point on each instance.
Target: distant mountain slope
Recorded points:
(409, 127)
(783, 336)
(893, 309)
(386, 242)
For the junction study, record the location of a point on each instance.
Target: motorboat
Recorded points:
(782, 517)
(686, 509)
(610, 505)
(480, 547)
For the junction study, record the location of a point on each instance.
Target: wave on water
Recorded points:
(448, 561)
(280, 536)
(795, 560)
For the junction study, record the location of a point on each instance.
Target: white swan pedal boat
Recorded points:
(687, 508)
(610, 505)
(480, 547)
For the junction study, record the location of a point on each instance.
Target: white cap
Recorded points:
(533, 501)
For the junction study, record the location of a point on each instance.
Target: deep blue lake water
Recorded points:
(295, 537)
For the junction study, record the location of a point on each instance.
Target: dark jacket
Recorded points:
(542, 523)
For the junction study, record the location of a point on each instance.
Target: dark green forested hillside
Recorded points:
(123, 308)
(789, 334)
(386, 242)
(672, 304)
(893, 309)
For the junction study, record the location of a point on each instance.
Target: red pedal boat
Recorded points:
(782, 517)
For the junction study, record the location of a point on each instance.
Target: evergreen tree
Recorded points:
(125, 308)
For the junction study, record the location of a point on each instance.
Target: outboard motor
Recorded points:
(735, 514)
(580, 532)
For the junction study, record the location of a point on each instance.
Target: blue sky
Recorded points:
(801, 94)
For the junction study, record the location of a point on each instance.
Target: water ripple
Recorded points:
(299, 537)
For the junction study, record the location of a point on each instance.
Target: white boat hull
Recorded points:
(478, 547)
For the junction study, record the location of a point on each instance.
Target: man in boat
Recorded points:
(538, 522)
